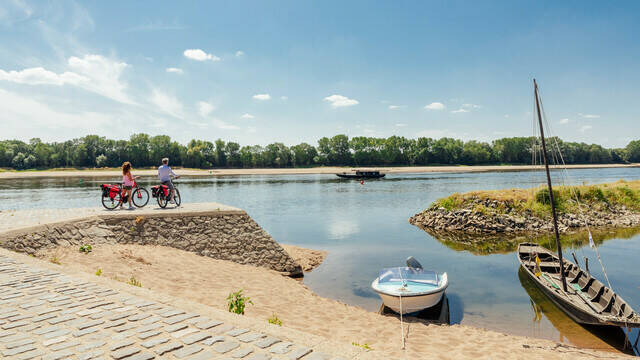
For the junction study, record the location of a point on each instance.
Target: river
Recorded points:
(364, 227)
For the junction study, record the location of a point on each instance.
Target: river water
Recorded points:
(364, 227)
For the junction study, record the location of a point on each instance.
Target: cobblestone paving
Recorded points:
(48, 315)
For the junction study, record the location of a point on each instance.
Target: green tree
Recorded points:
(633, 151)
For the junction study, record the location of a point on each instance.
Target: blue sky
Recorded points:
(262, 71)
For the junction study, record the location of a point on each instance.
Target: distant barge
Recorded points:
(358, 174)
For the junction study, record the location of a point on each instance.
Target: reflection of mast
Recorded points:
(553, 207)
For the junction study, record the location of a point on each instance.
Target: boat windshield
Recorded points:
(406, 274)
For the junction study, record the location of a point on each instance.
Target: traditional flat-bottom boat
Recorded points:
(587, 301)
(358, 174)
(410, 289)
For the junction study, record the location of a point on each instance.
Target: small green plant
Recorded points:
(86, 248)
(364, 346)
(54, 260)
(274, 320)
(237, 302)
(99, 272)
(133, 281)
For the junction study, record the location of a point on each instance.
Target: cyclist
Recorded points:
(164, 174)
(127, 183)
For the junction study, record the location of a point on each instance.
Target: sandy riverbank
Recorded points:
(208, 281)
(290, 171)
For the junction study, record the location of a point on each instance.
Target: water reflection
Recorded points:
(592, 337)
(505, 244)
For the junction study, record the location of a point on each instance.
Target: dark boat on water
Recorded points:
(587, 301)
(574, 291)
(361, 174)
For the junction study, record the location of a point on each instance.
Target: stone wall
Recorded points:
(223, 235)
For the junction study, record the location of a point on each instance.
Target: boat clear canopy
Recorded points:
(407, 274)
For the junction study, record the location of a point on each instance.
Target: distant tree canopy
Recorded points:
(143, 150)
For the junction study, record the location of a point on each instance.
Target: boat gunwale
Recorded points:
(567, 305)
(439, 288)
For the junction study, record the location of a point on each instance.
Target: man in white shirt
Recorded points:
(164, 174)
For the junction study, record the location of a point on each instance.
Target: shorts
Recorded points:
(128, 187)
(168, 183)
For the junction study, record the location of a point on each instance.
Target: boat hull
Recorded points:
(580, 308)
(411, 304)
(354, 176)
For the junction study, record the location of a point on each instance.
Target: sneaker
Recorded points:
(131, 208)
(172, 201)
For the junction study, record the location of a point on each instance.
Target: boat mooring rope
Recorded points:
(401, 324)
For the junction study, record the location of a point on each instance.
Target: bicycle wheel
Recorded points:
(177, 197)
(140, 197)
(110, 203)
(162, 200)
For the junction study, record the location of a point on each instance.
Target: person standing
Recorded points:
(127, 182)
(164, 174)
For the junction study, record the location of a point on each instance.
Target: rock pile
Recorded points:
(469, 220)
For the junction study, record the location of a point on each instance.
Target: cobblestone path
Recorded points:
(49, 315)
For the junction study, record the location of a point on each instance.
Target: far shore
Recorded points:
(10, 174)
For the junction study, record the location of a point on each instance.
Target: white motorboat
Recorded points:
(410, 289)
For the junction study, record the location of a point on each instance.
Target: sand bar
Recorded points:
(294, 171)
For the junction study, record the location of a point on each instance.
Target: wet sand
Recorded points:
(290, 171)
(208, 281)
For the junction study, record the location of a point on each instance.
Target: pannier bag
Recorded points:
(110, 190)
(155, 190)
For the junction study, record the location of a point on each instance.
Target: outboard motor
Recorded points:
(413, 263)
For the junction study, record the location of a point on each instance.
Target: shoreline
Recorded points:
(8, 174)
(208, 281)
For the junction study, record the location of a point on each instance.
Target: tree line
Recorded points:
(143, 150)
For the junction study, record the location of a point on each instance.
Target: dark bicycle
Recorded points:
(112, 196)
(162, 194)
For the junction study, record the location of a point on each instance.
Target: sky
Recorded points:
(257, 72)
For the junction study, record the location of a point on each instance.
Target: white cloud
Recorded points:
(401, 125)
(564, 121)
(252, 129)
(340, 101)
(459, 111)
(175, 70)
(471, 106)
(589, 116)
(585, 128)
(437, 133)
(284, 98)
(247, 116)
(239, 53)
(104, 75)
(41, 76)
(167, 103)
(94, 73)
(506, 116)
(199, 55)
(205, 108)
(262, 97)
(435, 106)
(394, 107)
(223, 125)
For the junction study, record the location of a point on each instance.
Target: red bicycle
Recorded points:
(112, 196)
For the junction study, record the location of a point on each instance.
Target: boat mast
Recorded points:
(553, 207)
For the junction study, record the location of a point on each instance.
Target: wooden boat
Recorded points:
(581, 296)
(361, 174)
(410, 289)
(586, 300)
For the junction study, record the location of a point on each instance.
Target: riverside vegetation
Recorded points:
(518, 210)
(144, 150)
